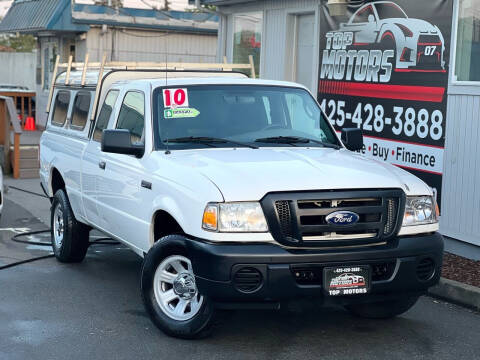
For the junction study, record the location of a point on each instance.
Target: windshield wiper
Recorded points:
(207, 141)
(291, 140)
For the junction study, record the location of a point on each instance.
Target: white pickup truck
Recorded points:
(236, 192)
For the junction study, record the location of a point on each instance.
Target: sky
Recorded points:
(175, 4)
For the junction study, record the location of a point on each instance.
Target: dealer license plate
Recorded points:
(347, 280)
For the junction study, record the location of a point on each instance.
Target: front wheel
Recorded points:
(384, 309)
(170, 294)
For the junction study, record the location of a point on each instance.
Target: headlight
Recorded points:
(234, 217)
(420, 210)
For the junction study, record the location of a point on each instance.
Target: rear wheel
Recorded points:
(70, 239)
(170, 294)
(384, 309)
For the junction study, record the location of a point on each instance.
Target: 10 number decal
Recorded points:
(173, 98)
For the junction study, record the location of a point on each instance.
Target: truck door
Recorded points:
(123, 195)
(92, 162)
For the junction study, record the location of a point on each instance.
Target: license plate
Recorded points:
(346, 280)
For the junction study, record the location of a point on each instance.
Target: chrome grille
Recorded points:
(391, 216)
(299, 219)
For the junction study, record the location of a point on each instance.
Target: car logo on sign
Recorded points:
(342, 218)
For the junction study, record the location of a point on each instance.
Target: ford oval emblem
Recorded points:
(342, 218)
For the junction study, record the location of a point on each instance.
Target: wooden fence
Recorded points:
(9, 123)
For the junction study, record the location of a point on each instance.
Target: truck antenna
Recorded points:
(166, 58)
(167, 152)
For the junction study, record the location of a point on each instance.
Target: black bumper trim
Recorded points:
(214, 264)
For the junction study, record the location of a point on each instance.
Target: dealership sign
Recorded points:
(384, 69)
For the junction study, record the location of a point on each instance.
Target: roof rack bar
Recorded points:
(160, 66)
(173, 66)
(69, 68)
(225, 61)
(85, 66)
(252, 66)
(133, 65)
(52, 84)
(122, 65)
(99, 85)
(94, 65)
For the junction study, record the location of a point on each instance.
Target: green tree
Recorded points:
(20, 42)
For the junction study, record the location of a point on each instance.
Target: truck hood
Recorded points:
(249, 174)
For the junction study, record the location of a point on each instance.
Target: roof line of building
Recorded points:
(33, 16)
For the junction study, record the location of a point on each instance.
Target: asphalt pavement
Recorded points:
(93, 310)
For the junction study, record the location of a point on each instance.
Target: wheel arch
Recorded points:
(163, 223)
(391, 30)
(56, 182)
(396, 33)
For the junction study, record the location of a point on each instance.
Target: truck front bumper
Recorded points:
(269, 273)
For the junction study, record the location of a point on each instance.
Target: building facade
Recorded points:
(406, 72)
(65, 28)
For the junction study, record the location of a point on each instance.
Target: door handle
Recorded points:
(146, 185)
(102, 165)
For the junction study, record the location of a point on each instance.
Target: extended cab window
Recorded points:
(80, 111)
(132, 115)
(105, 113)
(60, 109)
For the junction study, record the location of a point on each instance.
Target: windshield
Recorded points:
(232, 115)
(389, 11)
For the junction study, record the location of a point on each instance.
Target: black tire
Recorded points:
(74, 246)
(199, 325)
(383, 310)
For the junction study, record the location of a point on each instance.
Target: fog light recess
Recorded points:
(425, 269)
(248, 280)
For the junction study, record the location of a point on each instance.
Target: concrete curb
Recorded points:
(457, 292)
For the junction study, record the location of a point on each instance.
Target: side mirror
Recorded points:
(371, 18)
(119, 141)
(352, 138)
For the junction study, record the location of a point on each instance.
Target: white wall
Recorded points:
(140, 45)
(461, 178)
(461, 167)
(18, 69)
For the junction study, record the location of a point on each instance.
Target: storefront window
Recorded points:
(247, 39)
(468, 41)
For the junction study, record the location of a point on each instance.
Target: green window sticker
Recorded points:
(181, 113)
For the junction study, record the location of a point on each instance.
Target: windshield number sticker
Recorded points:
(173, 98)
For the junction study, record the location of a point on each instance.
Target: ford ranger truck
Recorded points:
(236, 193)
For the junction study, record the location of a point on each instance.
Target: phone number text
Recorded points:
(407, 121)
